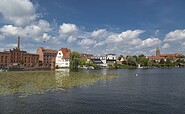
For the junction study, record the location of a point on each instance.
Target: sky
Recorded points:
(123, 27)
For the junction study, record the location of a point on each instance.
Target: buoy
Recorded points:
(136, 74)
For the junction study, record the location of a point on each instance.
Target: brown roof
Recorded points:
(66, 53)
(170, 55)
(154, 57)
(49, 50)
(86, 56)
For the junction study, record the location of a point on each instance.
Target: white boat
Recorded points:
(1, 70)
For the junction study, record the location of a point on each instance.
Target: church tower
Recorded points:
(157, 51)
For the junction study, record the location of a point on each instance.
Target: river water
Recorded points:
(135, 91)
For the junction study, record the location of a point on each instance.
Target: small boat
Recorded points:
(1, 70)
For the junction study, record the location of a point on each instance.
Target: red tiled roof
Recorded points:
(66, 53)
(170, 55)
(154, 57)
(49, 50)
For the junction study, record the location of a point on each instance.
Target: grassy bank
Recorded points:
(36, 82)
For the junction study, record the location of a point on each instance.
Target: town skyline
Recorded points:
(94, 27)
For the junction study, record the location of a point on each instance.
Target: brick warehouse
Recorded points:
(46, 56)
(17, 57)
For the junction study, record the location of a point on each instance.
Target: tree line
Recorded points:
(143, 61)
(129, 62)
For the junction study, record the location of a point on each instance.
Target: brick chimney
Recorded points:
(18, 45)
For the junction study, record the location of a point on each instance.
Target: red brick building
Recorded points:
(46, 55)
(17, 57)
(160, 56)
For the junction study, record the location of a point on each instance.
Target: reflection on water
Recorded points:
(153, 91)
(36, 82)
(59, 74)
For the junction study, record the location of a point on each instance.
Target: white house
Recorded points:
(111, 56)
(105, 59)
(62, 58)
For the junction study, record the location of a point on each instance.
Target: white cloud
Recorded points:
(126, 36)
(166, 45)
(99, 33)
(86, 42)
(35, 31)
(114, 39)
(152, 50)
(183, 44)
(71, 39)
(67, 28)
(2, 49)
(10, 46)
(10, 30)
(99, 43)
(156, 33)
(176, 35)
(45, 37)
(129, 34)
(2, 37)
(149, 42)
(18, 12)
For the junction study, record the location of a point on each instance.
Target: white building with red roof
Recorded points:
(62, 58)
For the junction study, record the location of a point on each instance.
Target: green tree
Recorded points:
(131, 61)
(119, 58)
(162, 61)
(116, 64)
(136, 58)
(168, 61)
(74, 60)
(82, 61)
(140, 56)
(142, 60)
(150, 63)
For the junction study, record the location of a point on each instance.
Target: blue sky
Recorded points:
(128, 27)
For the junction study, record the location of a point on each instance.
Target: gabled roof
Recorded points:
(66, 53)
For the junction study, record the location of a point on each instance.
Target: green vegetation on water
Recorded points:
(37, 82)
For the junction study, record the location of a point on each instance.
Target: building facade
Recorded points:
(17, 57)
(106, 60)
(87, 57)
(62, 58)
(160, 56)
(45, 56)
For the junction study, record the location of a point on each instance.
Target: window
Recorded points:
(59, 53)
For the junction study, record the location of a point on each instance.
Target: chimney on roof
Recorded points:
(18, 45)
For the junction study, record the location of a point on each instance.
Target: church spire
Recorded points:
(157, 51)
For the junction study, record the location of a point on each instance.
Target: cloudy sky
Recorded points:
(128, 27)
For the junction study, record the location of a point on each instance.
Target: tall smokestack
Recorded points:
(18, 46)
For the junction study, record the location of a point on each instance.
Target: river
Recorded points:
(135, 91)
